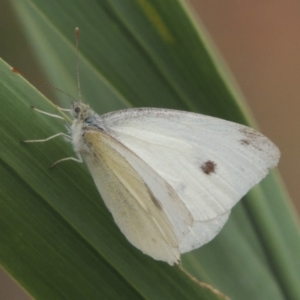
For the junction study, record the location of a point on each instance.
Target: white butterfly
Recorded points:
(170, 178)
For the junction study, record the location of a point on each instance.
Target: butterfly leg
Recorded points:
(51, 115)
(54, 115)
(79, 160)
(48, 139)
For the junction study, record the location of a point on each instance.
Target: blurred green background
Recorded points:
(259, 42)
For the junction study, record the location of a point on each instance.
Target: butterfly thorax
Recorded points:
(84, 119)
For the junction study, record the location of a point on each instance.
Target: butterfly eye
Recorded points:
(77, 110)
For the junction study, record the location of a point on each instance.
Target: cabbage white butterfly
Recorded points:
(170, 178)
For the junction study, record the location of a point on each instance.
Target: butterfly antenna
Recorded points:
(15, 70)
(77, 62)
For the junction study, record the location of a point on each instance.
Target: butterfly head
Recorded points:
(85, 117)
(81, 111)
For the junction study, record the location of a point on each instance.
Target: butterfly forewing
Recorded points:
(210, 163)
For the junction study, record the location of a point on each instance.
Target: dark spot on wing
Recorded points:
(245, 142)
(208, 167)
(253, 138)
(249, 132)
